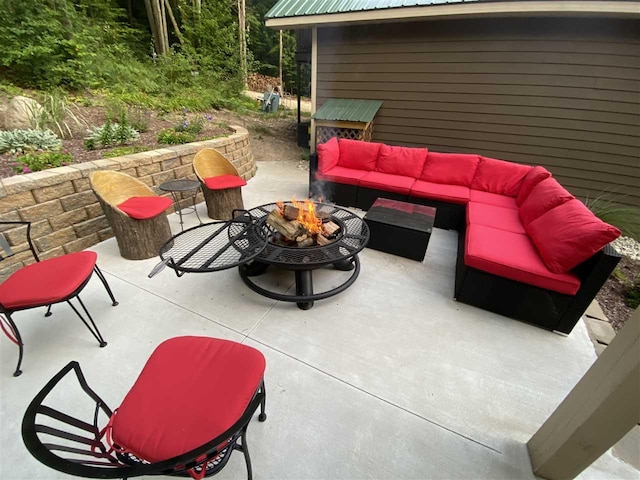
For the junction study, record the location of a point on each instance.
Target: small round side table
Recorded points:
(179, 186)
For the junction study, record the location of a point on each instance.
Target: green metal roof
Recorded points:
(348, 110)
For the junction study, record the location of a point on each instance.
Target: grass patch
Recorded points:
(120, 151)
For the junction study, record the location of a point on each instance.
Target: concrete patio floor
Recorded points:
(391, 379)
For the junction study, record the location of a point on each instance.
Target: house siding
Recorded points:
(562, 93)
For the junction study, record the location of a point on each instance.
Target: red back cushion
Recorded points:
(357, 154)
(143, 208)
(328, 154)
(546, 195)
(567, 235)
(498, 176)
(533, 178)
(450, 168)
(405, 161)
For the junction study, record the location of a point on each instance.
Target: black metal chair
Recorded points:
(159, 427)
(45, 283)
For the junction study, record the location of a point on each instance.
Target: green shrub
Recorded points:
(16, 141)
(168, 136)
(186, 125)
(110, 134)
(36, 161)
(120, 151)
(607, 208)
(632, 294)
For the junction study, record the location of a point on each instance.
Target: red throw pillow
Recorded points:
(143, 208)
(328, 155)
(533, 178)
(498, 176)
(222, 182)
(450, 168)
(546, 195)
(569, 234)
(357, 154)
(401, 160)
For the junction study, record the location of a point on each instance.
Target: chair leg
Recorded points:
(48, 314)
(106, 285)
(245, 450)
(15, 337)
(263, 416)
(94, 331)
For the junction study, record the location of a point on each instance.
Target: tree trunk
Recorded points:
(173, 21)
(242, 34)
(221, 203)
(281, 89)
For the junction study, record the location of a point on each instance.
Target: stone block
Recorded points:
(45, 194)
(67, 173)
(183, 171)
(160, 154)
(41, 210)
(81, 185)
(54, 252)
(46, 178)
(13, 216)
(17, 236)
(78, 200)
(106, 164)
(16, 201)
(94, 210)
(599, 331)
(145, 170)
(147, 180)
(86, 168)
(105, 234)
(169, 164)
(162, 177)
(82, 243)
(56, 239)
(132, 172)
(86, 228)
(68, 218)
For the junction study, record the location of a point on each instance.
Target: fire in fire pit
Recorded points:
(299, 224)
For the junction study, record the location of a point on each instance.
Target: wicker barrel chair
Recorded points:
(221, 183)
(135, 213)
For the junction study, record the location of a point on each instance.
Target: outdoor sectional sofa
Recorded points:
(528, 249)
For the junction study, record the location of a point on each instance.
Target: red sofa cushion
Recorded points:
(533, 178)
(328, 154)
(191, 390)
(492, 216)
(567, 235)
(387, 182)
(143, 208)
(357, 154)
(439, 191)
(222, 182)
(498, 176)
(404, 161)
(450, 168)
(546, 195)
(512, 255)
(492, 199)
(48, 281)
(344, 175)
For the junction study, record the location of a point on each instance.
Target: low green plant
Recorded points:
(17, 141)
(607, 207)
(120, 151)
(110, 134)
(193, 125)
(632, 294)
(168, 136)
(36, 161)
(260, 129)
(139, 118)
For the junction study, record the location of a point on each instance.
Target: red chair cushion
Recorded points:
(387, 182)
(567, 235)
(357, 154)
(440, 191)
(222, 182)
(404, 161)
(450, 168)
(512, 255)
(497, 217)
(48, 281)
(191, 390)
(143, 208)
(492, 199)
(533, 178)
(344, 175)
(546, 195)
(328, 154)
(498, 176)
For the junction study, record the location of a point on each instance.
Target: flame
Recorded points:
(307, 215)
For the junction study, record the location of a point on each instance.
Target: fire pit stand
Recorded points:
(342, 252)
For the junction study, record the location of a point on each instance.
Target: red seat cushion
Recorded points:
(497, 217)
(450, 168)
(143, 208)
(440, 191)
(48, 281)
(328, 154)
(546, 195)
(498, 176)
(344, 175)
(404, 161)
(387, 182)
(191, 390)
(357, 154)
(222, 182)
(492, 199)
(533, 178)
(567, 235)
(512, 255)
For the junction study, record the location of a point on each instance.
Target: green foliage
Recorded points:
(120, 151)
(36, 161)
(607, 208)
(632, 294)
(171, 137)
(193, 125)
(55, 114)
(16, 141)
(110, 134)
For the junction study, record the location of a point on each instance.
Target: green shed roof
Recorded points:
(348, 110)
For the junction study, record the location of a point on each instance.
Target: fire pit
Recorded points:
(299, 242)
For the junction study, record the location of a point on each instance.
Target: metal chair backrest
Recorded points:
(6, 246)
(116, 187)
(209, 163)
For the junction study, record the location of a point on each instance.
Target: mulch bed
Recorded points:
(611, 296)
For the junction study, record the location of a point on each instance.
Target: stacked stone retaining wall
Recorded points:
(64, 211)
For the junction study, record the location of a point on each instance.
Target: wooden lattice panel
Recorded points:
(324, 133)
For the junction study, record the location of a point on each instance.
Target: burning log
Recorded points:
(289, 229)
(330, 228)
(290, 212)
(322, 240)
(307, 242)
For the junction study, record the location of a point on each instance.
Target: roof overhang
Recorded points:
(462, 10)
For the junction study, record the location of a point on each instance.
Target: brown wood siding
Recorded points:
(563, 93)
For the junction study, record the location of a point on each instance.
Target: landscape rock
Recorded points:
(19, 113)
(628, 247)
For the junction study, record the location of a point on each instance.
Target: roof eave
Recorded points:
(510, 8)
